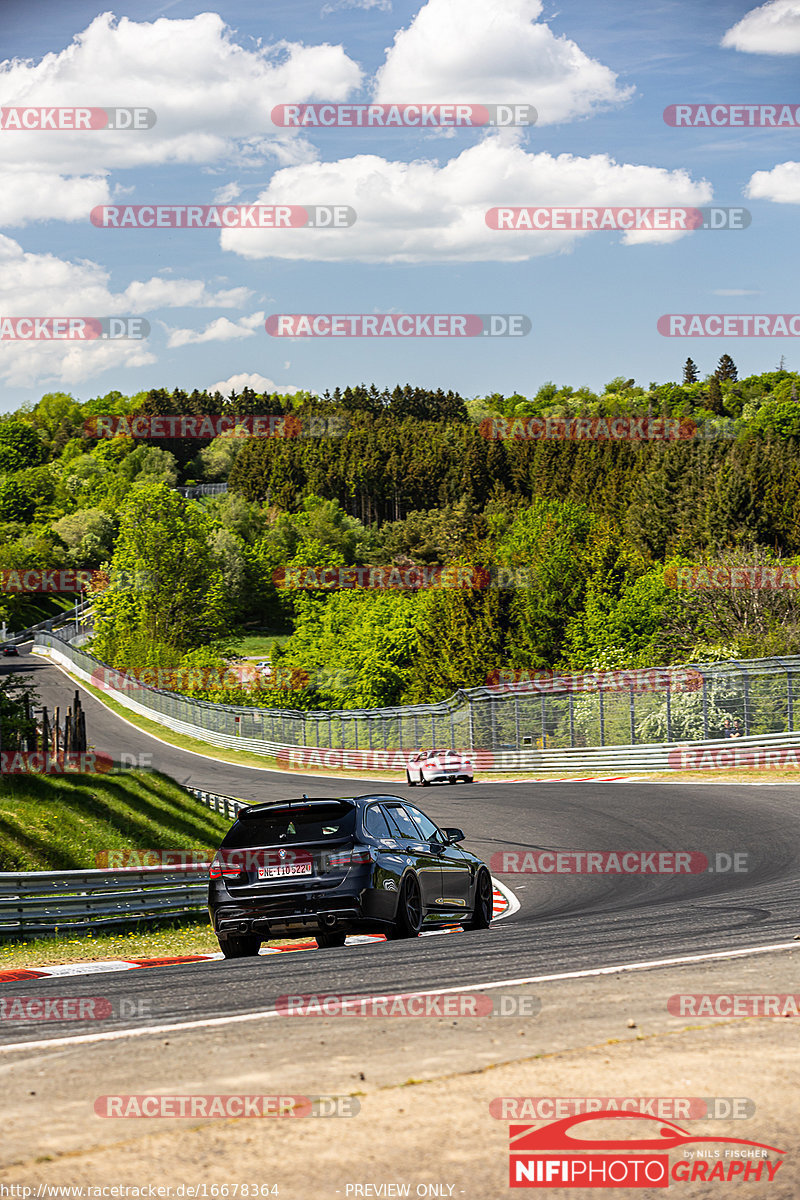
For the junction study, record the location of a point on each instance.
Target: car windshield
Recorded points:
(291, 826)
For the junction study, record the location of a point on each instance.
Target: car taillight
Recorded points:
(349, 858)
(222, 870)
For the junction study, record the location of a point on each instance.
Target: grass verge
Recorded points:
(173, 940)
(62, 822)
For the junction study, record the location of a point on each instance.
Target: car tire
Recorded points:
(484, 902)
(240, 947)
(408, 921)
(326, 941)
(410, 781)
(467, 778)
(425, 782)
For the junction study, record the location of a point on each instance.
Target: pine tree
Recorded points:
(690, 374)
(714, 403)
(726, 368)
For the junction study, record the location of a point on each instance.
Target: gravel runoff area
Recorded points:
(424, 1085)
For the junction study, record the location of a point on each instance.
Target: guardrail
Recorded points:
(50, 625)
(42, 902)
(227, 805)
(491, 727)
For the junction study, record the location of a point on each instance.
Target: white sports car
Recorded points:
(438, 766)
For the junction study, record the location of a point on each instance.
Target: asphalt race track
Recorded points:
(565, 923)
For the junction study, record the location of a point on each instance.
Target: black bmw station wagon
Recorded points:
(326, 868)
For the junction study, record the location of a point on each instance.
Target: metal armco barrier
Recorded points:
(227, 805)
(509, 731)
(60, 622)
(34, 902)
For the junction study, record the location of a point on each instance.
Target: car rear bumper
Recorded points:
(295, 915)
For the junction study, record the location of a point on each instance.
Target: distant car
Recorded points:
(438, 766)
(10, 652)
(264, 666)
(326, 867)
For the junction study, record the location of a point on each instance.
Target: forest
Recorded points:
(597, 530)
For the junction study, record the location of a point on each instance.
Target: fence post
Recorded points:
(516, 721)
(705, 708)
(633, 717)
(544, 721)
(789, 703)
(746, 682)
(669, 712)
(602, 718)
(571, 719)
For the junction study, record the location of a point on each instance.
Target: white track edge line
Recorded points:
(239, 1018)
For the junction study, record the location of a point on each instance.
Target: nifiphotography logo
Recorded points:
(566, 1154)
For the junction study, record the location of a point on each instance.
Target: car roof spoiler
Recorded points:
(270, 806)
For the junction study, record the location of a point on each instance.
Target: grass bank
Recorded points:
(60, 823)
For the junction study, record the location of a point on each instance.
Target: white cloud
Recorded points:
(381, 5)
(781, 184)
(735, 292)
(227, 194)
(423, 212)
(774, 28)
(221, 330)
(43, 285)
(212, 100)
(145, 295)
(42, 195)
(259, 383)
(494, 51)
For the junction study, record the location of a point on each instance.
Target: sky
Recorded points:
(599, 77)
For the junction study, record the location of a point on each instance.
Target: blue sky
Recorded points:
(600, 77)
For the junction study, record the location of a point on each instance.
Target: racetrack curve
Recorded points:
(565, 923)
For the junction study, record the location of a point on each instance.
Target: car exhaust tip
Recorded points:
(244, 927)
(328, 920)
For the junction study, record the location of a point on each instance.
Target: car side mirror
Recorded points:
(452, 835)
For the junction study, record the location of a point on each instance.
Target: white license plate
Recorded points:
(285, 869)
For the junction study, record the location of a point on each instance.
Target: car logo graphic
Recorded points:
(554, 1155)
(281, 854)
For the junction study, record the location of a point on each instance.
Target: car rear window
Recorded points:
(402, 821)
(290, 826)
